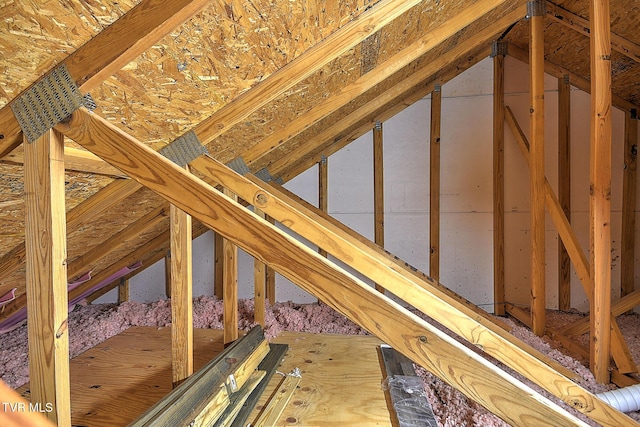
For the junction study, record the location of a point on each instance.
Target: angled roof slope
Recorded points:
(275, 84)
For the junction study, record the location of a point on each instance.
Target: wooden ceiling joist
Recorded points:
(447, 358)
(74, 160)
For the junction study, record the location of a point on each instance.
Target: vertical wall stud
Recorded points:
(230, 285)
(629, 184)
(600, 201)
(434, 184)
(323, 190)
(499, 294)
(259, 284)
(564, 187)
(537, 178)
(378, 188)
(181, 295)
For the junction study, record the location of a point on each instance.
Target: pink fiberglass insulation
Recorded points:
(90, 325)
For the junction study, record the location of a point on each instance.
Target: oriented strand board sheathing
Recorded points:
(336, 75)
(202, 65)
(36, 35)
(280, 154)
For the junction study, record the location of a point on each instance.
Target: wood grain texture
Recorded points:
(564, 187)
(499, 295)
(420, 341)
(434, 183)
(230, 283)
(309, 62)
(181, 295)
(46, 248)
(340, 384)
(629, 185)
(536, 175)
(600, 189)
(378, 189)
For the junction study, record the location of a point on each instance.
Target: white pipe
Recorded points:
(625, 399)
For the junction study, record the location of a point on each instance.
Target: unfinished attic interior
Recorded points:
(449, 178)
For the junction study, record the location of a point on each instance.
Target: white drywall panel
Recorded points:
(466, 230)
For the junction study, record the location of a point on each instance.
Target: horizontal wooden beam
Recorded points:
(74, 160)
(422, 342)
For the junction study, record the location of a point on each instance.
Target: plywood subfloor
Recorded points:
(341, 381)
(116, 381)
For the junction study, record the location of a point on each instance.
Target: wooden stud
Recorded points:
(218, 265)
(271, 274)
(600, 200)
(378, 190)
(230, 284)
(46, 276)
(323, 191)
(499, 295)
(167, 274)
(434, 184)
(259, 284)
(181, 295)
(536, 170)
(423, 343)
(564, 187)
(629, 183)
(576, 254)
(123, 291)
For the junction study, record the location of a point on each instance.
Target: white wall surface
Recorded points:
(466, 229)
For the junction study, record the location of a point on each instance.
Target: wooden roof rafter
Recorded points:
(271, 245)
(154, 25)
(370, 79)
(392, 101)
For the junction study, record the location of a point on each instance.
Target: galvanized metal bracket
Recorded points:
(499, 48)
(536, 8)
(48, 102)
(264, 175)
(184, 149)
(239, 166)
